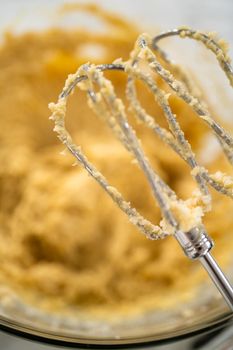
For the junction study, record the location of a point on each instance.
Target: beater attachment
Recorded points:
(181, 218)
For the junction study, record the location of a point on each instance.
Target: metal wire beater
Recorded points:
(192, 236)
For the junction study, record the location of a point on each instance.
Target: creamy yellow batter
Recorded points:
(64, 245)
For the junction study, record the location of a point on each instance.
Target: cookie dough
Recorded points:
(64, 245)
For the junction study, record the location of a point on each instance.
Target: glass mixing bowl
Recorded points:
(151, 329)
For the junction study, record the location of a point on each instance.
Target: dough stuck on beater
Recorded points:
(177, 213)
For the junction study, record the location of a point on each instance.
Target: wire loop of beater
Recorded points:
(102, 99)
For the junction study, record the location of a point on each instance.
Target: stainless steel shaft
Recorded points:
(197, 245)
(218, 277)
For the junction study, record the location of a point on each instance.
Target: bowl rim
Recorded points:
(53, 338)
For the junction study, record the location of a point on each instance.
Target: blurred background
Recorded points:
(22, 15)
